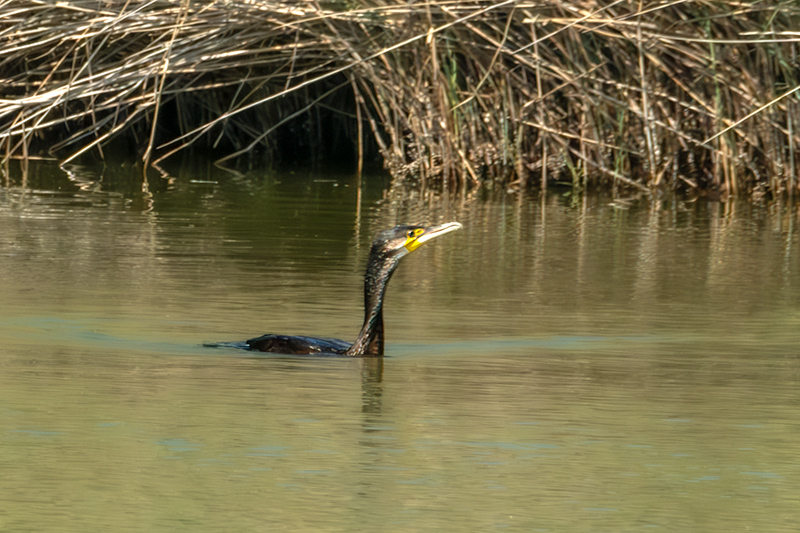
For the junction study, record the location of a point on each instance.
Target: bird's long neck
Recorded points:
(370, 339)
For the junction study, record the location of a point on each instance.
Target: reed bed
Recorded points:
(652, 95)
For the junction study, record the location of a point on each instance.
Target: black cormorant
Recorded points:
(387, 249)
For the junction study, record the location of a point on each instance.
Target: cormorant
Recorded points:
(387, 249)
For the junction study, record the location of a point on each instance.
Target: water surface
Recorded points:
(598, 365)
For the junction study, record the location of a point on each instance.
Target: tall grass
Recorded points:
(653, 95)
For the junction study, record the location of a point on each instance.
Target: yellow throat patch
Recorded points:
(412, 239)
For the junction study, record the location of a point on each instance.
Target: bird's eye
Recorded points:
(410, 234)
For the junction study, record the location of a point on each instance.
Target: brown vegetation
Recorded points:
(689, 94)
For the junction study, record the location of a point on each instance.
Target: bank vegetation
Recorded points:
(694, 95)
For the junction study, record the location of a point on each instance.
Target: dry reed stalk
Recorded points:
(679, 94)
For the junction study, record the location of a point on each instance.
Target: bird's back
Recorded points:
(298, 345)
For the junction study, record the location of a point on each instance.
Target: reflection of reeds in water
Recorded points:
(558, 265)
(692, 94)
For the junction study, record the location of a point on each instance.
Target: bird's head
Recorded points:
(402, 240)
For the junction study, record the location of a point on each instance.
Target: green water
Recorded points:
(555, 366)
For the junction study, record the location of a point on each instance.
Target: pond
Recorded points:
(560, 364)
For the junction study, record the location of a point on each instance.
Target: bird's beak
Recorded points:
(424, 235)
